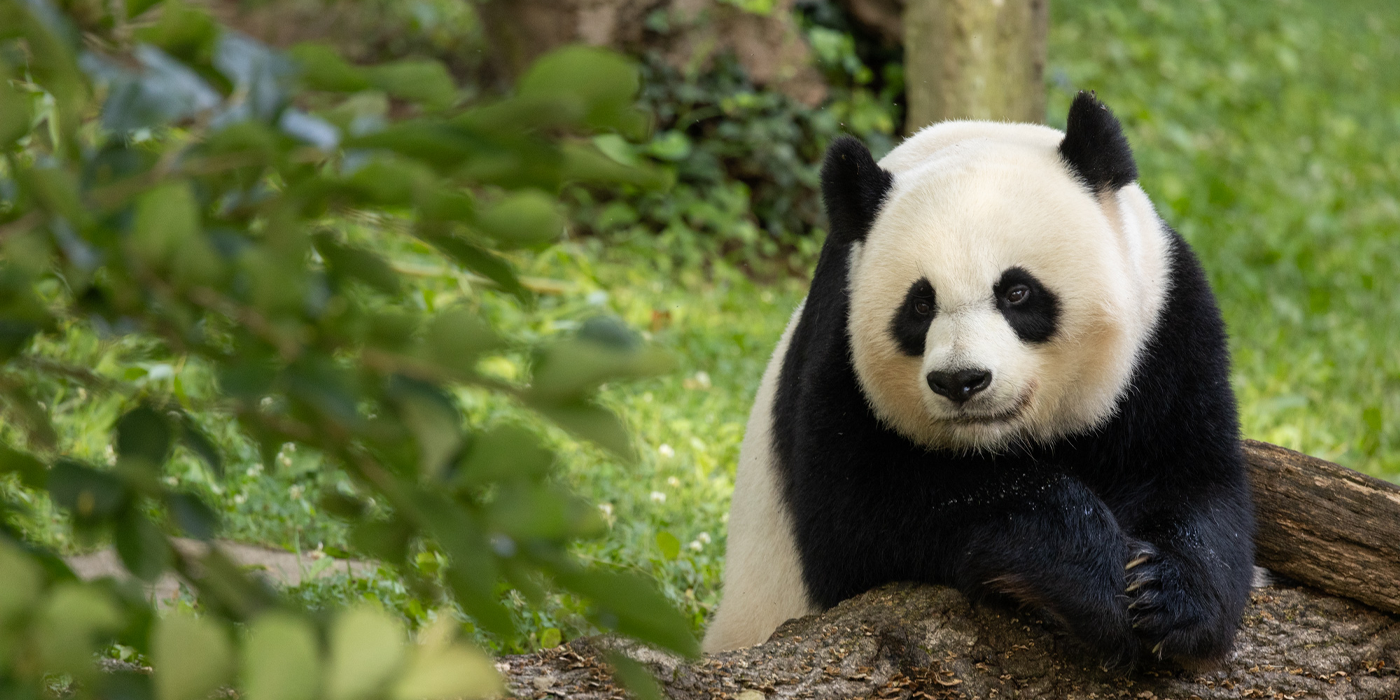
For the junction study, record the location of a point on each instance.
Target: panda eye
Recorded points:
(1018, 294)
(922, 307)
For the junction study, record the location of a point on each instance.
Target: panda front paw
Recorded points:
(1169, 613)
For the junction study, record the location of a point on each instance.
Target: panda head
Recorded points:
(1003, 278)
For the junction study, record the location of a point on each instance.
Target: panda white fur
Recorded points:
(1009, 376)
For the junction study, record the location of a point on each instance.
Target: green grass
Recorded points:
(1268, 134)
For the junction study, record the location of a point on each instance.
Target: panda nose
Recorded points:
(959, 386)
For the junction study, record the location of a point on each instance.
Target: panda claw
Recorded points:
(1142, 559)
(1136, 585)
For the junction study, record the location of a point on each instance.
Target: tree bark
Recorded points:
(1320, 524)
(974, 59)
(1326, 525)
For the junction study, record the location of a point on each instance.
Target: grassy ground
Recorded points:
(1269, 135)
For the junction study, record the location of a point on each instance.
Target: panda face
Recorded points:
(996, 298)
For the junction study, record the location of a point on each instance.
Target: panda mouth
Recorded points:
(970, 418)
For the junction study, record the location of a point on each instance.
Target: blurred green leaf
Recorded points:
(550, 638)
(532, 511)
(601, 85)
(425, 82)
(384, 540)
(182, 31)
(358, 264)
(21, 582)
(193, 437)
(57, 191)
(192, 656)
(144, 435)
(166, 217)
(366, 650)
(75, 621)
(141, 546)
(196, 519)
(668, 544)
(323, 69)
(504, 453)
(90, 494)
(634, 676)
(472, 571)
(632, 606)
(525, 219)
(433, 419)
(14, 114)
(281, 659)
(592, 423)
(569, 370)
(344, 507)
(455, 339)
(439, 669)
(480, 260)
(32, 472)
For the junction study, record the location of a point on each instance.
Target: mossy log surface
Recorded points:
(1324, 525)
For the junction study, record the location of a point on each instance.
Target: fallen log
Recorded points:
(1321, 526)
(1326, 525)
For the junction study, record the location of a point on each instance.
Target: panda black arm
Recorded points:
(1182, 494)
(1191, 572)
(1048, 541)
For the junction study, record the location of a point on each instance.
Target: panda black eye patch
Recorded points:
(910, 323)
(1030, 308)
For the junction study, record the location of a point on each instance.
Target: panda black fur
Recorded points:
(1094, 472)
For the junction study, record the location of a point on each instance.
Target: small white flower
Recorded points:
(171, 481)
(695, 545)
(704, 537)
(240, 499)
(606, 508)
(295, 492)
(666, 451)
(658, 497)
(673, 482)
(702, 378)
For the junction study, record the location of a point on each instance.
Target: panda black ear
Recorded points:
(1095, 148)
(853, 187)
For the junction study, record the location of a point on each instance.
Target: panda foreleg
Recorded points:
(1188, 580)
(1058, 549)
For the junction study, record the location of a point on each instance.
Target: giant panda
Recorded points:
(1008, 376)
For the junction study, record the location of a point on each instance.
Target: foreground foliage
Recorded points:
(180, 258)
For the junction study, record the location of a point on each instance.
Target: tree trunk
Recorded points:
(1319, 523)
(974, 59)
(688, 34)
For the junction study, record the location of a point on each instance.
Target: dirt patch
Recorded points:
(278, 567)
